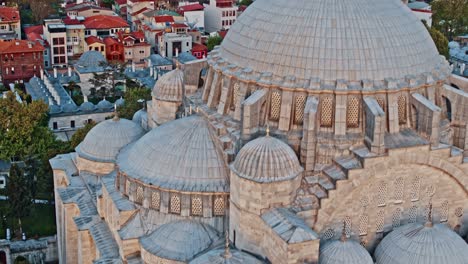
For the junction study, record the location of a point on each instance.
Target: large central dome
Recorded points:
(331, 39)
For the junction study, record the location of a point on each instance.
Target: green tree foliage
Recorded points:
(19, 194)
(439, 39)
(80, 134)
(450, 17)
(133, 101)
(105, 82)
(213, 41)
(245, 2)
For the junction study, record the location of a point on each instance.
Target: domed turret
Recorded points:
(267, 159)
(104, 141)
(422, 244)
(91, 59)
(170, 87)
(120, 101)
(104, 105)
(178, 241)
(87, 107)
(69, 107)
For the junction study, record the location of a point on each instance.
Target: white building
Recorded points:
(55, 33)
(193, 13)
(219, 14)
(174, 43)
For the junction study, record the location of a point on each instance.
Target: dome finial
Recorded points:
(268, 129)
(116, 114)
(343, 233)
(227, 253)
(429, 216)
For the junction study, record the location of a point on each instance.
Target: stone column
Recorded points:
(251, 113)
(243, 86)
(374, 126)
(215, 91)
(309, 139)
(225, 98)
(286, 109)
(207, 88)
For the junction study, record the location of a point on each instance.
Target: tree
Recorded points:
(213, 41)
(19, 194)
(41, 9)
(450, 17)
(108, 3)
(245, 2)
(133, 102)
(107, 79)
(80, 134)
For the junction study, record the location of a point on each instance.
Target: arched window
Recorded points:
(299, 106)
(415, 186)
(275, 107)
(197, 206)
(413, 214)
(235, 96)
(363, 224)
(402, 109)
(218, 206)
(155, 200)
(326, 113)
(382, 194)
(352, 112)
(139, 194)
(396, 218)
(381, 103)
(175, 204)
(444, 211)
(399, 186)
(379, 222)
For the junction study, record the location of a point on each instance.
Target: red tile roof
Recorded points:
(198, 47)
(242, 8)
(222, 33)
(179, 26)
(105, 22)
(163, 19)
(92, 39)
(140, 11)
(17, 46)
(110, 41)
(71, 21)
(121, 2)
(191, 7)
(138, 34)
(9, 14)
(36, 29)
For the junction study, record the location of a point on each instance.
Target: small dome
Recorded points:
(138, 116)
(170, 86)
(69, 107)
(91, 59)
(454, 45)
(104, 105)
(87, 107)
(344, 251)
(180, 240)
(104, 141)
(421, 244)
(178, 155)
(266, 159)
(217, 256)
(120, 101)
(55, 109)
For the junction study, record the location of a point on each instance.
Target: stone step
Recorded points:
(347, 163)
(334, 173)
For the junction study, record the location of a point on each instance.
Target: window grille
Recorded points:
(155, 200)
(402, 110)
(363, 224)
(275, 106)
(379, 223)
(175, 204)
(299, 109)
(396, 218)
(139, 194)
(352, 113)
(197, 206)
(218, 206)
(399, 189)
(326, 114)
(444, 211)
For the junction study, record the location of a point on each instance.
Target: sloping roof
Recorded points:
(17, 46)
(93, 39)
(110, 41)
(140, 11)
(288, 226)
(71, 21)
(190, 7)
(105, 22)
(121, 2)
(9, 14)
(199, 47)
(163, 19)
(36, 29)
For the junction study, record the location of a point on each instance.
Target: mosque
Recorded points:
(325, 132)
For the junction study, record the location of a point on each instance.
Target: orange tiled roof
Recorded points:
(9, 14)
(105, 22)
(19, 46)
(93, 39)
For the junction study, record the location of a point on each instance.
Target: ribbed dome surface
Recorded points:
(138, 116)
(104, 104)
(170, 86)
(180, 240)
(339, 252)
(418, 244)
(87, 107)
(331, 40)
(104, 141)
(217, 257)
(266, 159)
(179, 155)
(69, 107)
(91, 59)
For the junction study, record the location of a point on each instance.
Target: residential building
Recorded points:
(96, 44)
(75, 36)
(219, 14)
(20, 60)
(10, 23)
(193, 14)
(120, 8)
(172, 44)
(134, 6)
(55, 33)
(36, 33)
(200, 51)
(87, 9)
(114, 49)
(136, 49)
(103, 26)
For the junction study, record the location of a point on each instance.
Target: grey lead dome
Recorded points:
(331, 40)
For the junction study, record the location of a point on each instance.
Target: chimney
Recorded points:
(30, 44)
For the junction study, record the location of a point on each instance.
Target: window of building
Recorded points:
(142, 52)
(218, 206)
(87, 32)
(72, 123)
(175, 204)
(299, 106)
(197, 206)
(155, 200)
(102, 48)
(55, 126)
(2, 182)
(402, 109)
(58, 41)
(352, 113)
(326, 115)
(46, 63)
(69, 49)
(275, 106)
(139, 195)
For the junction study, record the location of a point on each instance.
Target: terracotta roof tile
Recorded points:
(162, 19)
(105, 22)
(191, 7)
(20, 46)
(92, 39)
(9, 14)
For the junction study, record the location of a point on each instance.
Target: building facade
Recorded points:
(300, 150)
(219, 15)
(20, 60)
(55, 33)
(10, 23)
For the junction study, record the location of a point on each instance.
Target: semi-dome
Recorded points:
(104, 104)
(91, 59)
(87, 107)
(104, 141)
(180, 240)
(266, 159)
(120, 101)
(219, 256)
(344, 251)
(138, 116)
(178, 155)
(170, 86)
(422, 244)
(330, 40)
